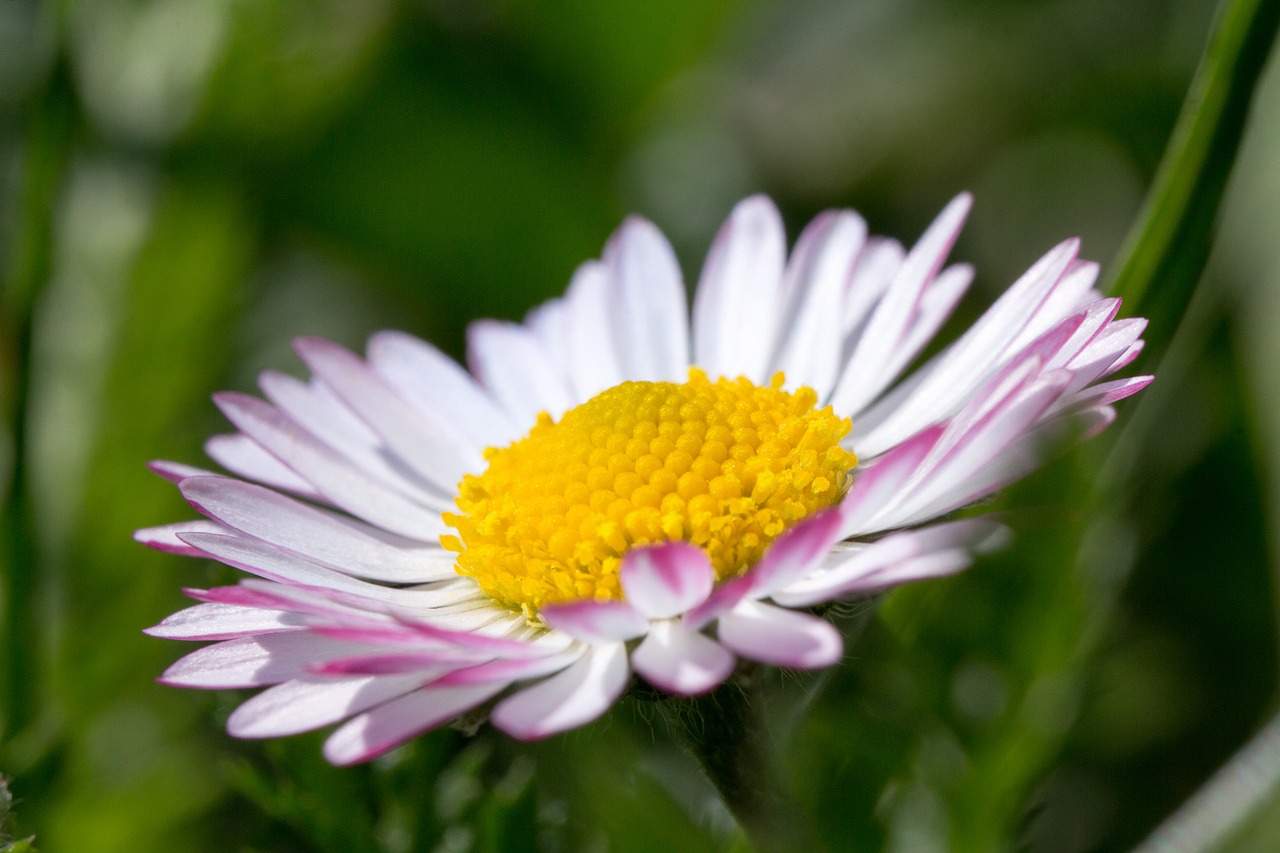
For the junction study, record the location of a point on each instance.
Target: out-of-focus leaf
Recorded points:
(130, 739)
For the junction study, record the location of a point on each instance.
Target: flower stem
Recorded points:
(727, 735)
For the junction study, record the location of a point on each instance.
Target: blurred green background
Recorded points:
(185, 185)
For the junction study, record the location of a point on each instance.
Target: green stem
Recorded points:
(727, 735)
(1169, 242)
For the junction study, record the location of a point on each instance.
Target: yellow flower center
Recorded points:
(725, 465)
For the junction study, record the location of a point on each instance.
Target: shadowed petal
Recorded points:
(780, 637)
(567, 700)
(681, 661)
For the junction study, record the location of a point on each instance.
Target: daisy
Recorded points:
(620, 486)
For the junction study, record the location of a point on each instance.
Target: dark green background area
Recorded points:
(185, 185)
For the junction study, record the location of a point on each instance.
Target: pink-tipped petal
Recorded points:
(880, 483)
(387, 726)
(241, 455)
(253, 661)
(423, 441)
(428, 662)
(175, 472)
(681, 661)
(665, 580)
(780, 637)
(214, 621)
(567, 700)
(507, 671)
(724, 597)
(165, 537)
(310, 702)
(347, 485)
(341, 543)
(596, 621)
(795, 552)
(909, 554)
(878, 355)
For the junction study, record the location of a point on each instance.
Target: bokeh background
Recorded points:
(185, 185)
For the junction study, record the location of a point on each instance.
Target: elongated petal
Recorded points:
(650, 318)
(253, 661)
(780, 637)
(826, 254)
(795, 552)
(374, 732)
(340, 481)
(341, 543)
(241, 455)
(165, 537)
(516, 370)
(567, 700)
(735, 309)
(594, 621)
(875, 359)
(593, 352)
(422, 440)
(435, 383)
(214, 621)
(311, 702)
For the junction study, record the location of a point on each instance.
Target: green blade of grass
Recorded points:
(1164, 254)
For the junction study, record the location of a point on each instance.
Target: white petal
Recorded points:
(318, 411)
(387, 726)
(254, 661)
(425, 442)
(507, 671)
(879, 350)
(943, 386)
(809, 350)
(595, 362)
(311, 702)
(876, 268)
(273, 563)
(340, 543)
(436, 384)
(165, 537)
(780, 637)
(735, 309)
(241, 455)
(650, 314)
(515, 368)
(343, 483)
(222, 622)
(895, 559)
(575, 696)
(681, 661)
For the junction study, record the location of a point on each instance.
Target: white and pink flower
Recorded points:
(357, 615)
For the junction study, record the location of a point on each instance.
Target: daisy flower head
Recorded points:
(619, 485)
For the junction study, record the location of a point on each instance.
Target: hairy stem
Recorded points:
(726, 733)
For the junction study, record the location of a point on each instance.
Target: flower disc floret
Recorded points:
(725, 465)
